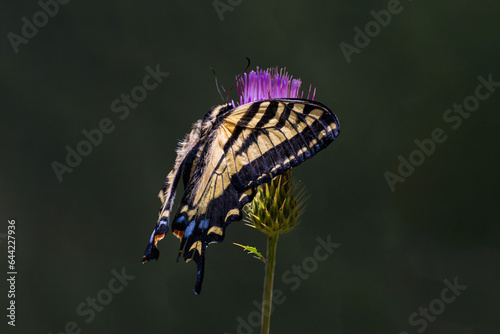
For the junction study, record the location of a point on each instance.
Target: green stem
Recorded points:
(267, 296)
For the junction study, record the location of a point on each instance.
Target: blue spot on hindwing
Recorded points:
(189, 229)
(203, 224)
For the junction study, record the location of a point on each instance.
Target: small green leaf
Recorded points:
(252, 250)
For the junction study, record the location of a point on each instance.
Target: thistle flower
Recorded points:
(276, 206)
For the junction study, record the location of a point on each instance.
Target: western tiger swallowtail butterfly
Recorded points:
(229, 153)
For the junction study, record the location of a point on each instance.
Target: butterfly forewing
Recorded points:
(281, 135)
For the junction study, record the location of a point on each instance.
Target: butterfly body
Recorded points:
(225, 157)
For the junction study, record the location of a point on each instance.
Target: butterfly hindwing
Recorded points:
(209, 204)
(186, 153)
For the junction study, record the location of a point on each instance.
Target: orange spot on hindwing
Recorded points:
(159, 237)
(179, 234)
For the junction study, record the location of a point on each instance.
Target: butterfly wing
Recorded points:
(248, 146)
(187, 153)
(273, 136)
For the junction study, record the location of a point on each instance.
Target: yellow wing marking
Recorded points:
(232, 212)
(216, 230)
(196, 245)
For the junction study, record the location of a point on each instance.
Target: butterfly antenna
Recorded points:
(217, 83)
(237, 78)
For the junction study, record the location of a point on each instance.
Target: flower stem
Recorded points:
(267, 296)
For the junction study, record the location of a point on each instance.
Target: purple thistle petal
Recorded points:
(269, 84)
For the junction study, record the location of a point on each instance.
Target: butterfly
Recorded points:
(227, 154)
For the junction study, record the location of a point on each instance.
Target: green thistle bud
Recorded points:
(277, 205)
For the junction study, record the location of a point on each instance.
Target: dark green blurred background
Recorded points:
(397, 247)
